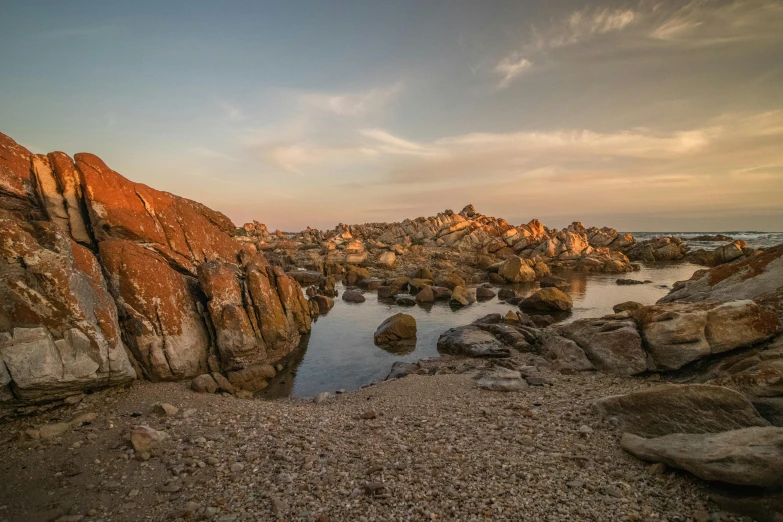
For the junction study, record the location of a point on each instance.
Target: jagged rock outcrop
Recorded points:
(462, 234)
(103, 280)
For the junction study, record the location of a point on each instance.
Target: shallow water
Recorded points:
(339, 353)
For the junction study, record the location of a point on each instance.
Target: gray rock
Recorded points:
(353, 296)
(746, 457)
(401, 369)
(671, 408)
(501, 379)
(679, 333)
(471, 341)
(771, 408)
(566, 355)
(613, 346)
(204, 384)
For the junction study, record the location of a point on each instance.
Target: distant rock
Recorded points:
(626, 282)
(516, 270)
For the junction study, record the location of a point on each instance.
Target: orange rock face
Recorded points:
(179, 291)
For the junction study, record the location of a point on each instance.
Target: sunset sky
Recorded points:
(648, 115)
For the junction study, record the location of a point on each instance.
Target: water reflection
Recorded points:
(340, 352)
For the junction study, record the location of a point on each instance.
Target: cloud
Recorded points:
(708, 23)
(509, 68)
(349, 103)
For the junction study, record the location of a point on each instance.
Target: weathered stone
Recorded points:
(462, 296)
(204, 384)
(387, 260)
(160, 314)
(553, 281)
(549, 299)
(324, 303)
(252, 378)
(762, 379)
(671, 408)
(471, 341)
(484, 293)
(425, 296)
(746, 457)
(401, 369)
(745, 278)
(627, 306)
(145, 439)
(613, 346)
(566, 355)
(353, 296)
(501, 379)
(679, 333)
(516, 270)
(399, 327)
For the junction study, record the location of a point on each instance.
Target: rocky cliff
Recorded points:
(103, 280)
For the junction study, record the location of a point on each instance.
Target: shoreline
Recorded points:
(437, 444)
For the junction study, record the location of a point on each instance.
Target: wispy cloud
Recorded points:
(323, 129)
(510, 68)
(212, 154)
(707, 23)
(347, 103)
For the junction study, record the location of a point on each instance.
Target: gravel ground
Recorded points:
(419, 448)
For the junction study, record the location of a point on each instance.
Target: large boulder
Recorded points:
(679, 333)
(397, 328)
(50, 281)
(612, 345)
(237, 341)
(745, 457)
(158, 309)
(471, 341)
(548, 299)
(565, 354)
(671, 408)
(762, 379)
(516, 270)
(745, 278)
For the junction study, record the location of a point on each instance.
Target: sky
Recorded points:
(643, 116)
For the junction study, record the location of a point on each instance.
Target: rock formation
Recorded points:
(104, 280)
